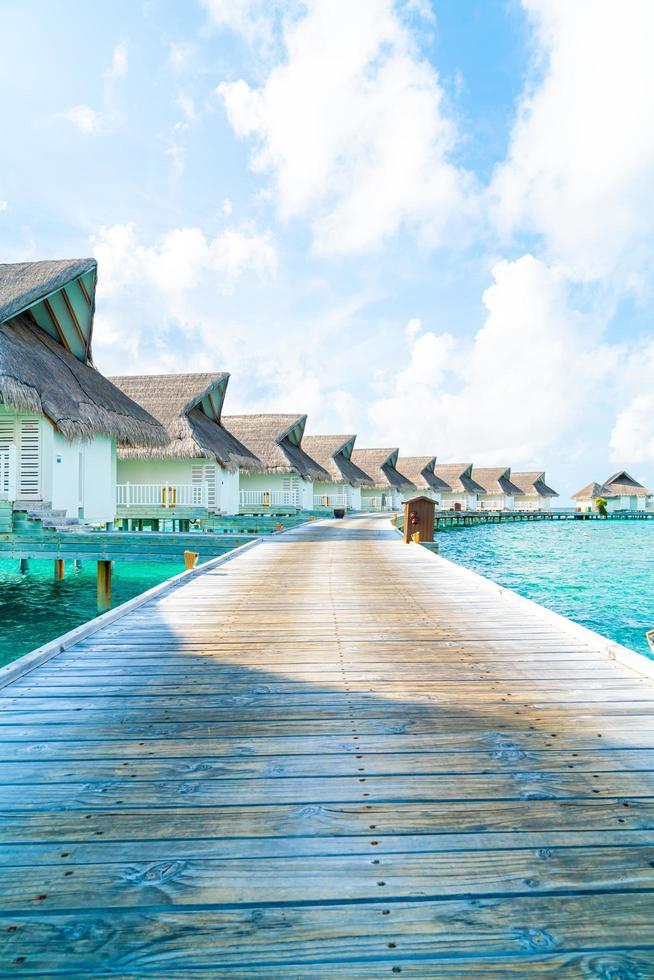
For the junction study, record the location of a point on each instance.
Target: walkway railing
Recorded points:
(331, 500)
(269, 498)
(166, 495)
(8, 473)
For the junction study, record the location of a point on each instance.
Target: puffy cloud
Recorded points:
(352, 128)
(580, 167)
(632, 438)
(251, 18)
(512, 392)
(86, 119)
(181, 259)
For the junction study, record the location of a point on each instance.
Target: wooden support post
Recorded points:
(104, 585)
(155, 524)
(190, 559)
(24, 565)
(59, 569)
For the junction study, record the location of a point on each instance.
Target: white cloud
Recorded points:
(119, 62)
(251, 18)
(580, 167)
(179, 54)
(632, 438)
(352, 128)
(180, 259)
(514, 391)
(227, 206)
(3, 205)
(86, 119)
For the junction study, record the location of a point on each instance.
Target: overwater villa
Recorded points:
(197, 472)
(500, 491)
(421, 471)
(60, 419)
(334, 454)
(464, 492)
(388, 484)
(620, 491)
(285, 482)
(537, 495)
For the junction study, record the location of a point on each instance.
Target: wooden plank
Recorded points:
(328, 935)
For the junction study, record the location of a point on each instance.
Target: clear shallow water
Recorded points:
(600, 574)
(35, 609)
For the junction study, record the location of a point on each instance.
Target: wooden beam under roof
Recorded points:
(57, 325)
(69, 306)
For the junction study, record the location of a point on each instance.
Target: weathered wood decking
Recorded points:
(335, 756)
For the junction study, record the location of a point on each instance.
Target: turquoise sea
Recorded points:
(35, 609)
(598, 573)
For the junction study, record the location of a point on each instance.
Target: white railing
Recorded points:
(166, 495)
(330, 500)
(8, 474)
(269, 498)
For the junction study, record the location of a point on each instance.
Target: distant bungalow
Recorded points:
(500, 491)
(421, 471)
(620, 491)
(463, 492)
(288, 473)
(60, 418)
(334, 454)
(388, 484)
(197, 472)
(536, 493)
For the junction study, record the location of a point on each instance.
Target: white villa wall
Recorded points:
(542, 504)
(334, 490)
(376, 498)
(76, 477)
(180, 471)
(279, 482)
(499, 501)
(423, 492)
(468, 501)
(613, 503)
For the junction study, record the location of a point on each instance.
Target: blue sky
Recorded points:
(427, 223)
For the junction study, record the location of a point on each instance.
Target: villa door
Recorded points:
(25, 434)
(206, 473)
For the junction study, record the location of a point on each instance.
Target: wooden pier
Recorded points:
(336, 756)
(447, 519)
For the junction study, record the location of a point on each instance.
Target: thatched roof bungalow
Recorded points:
(388, 483)
(421, 470)
(59, 417)
(500, 491)
(334, 454)
(537, 495)
(285, 482)
(621, 491)
(464, 492)
(202, 459)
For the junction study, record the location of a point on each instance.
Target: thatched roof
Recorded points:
(46, 322)
(22, 284)
(593, 490)
(458, 477)
(496, 479)
(189, 406)
(420, 470)
(277, 442)
(623, 485)
(334, 454)
(533, 484)
(38, 375)
(380, 465)
(619, 485)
